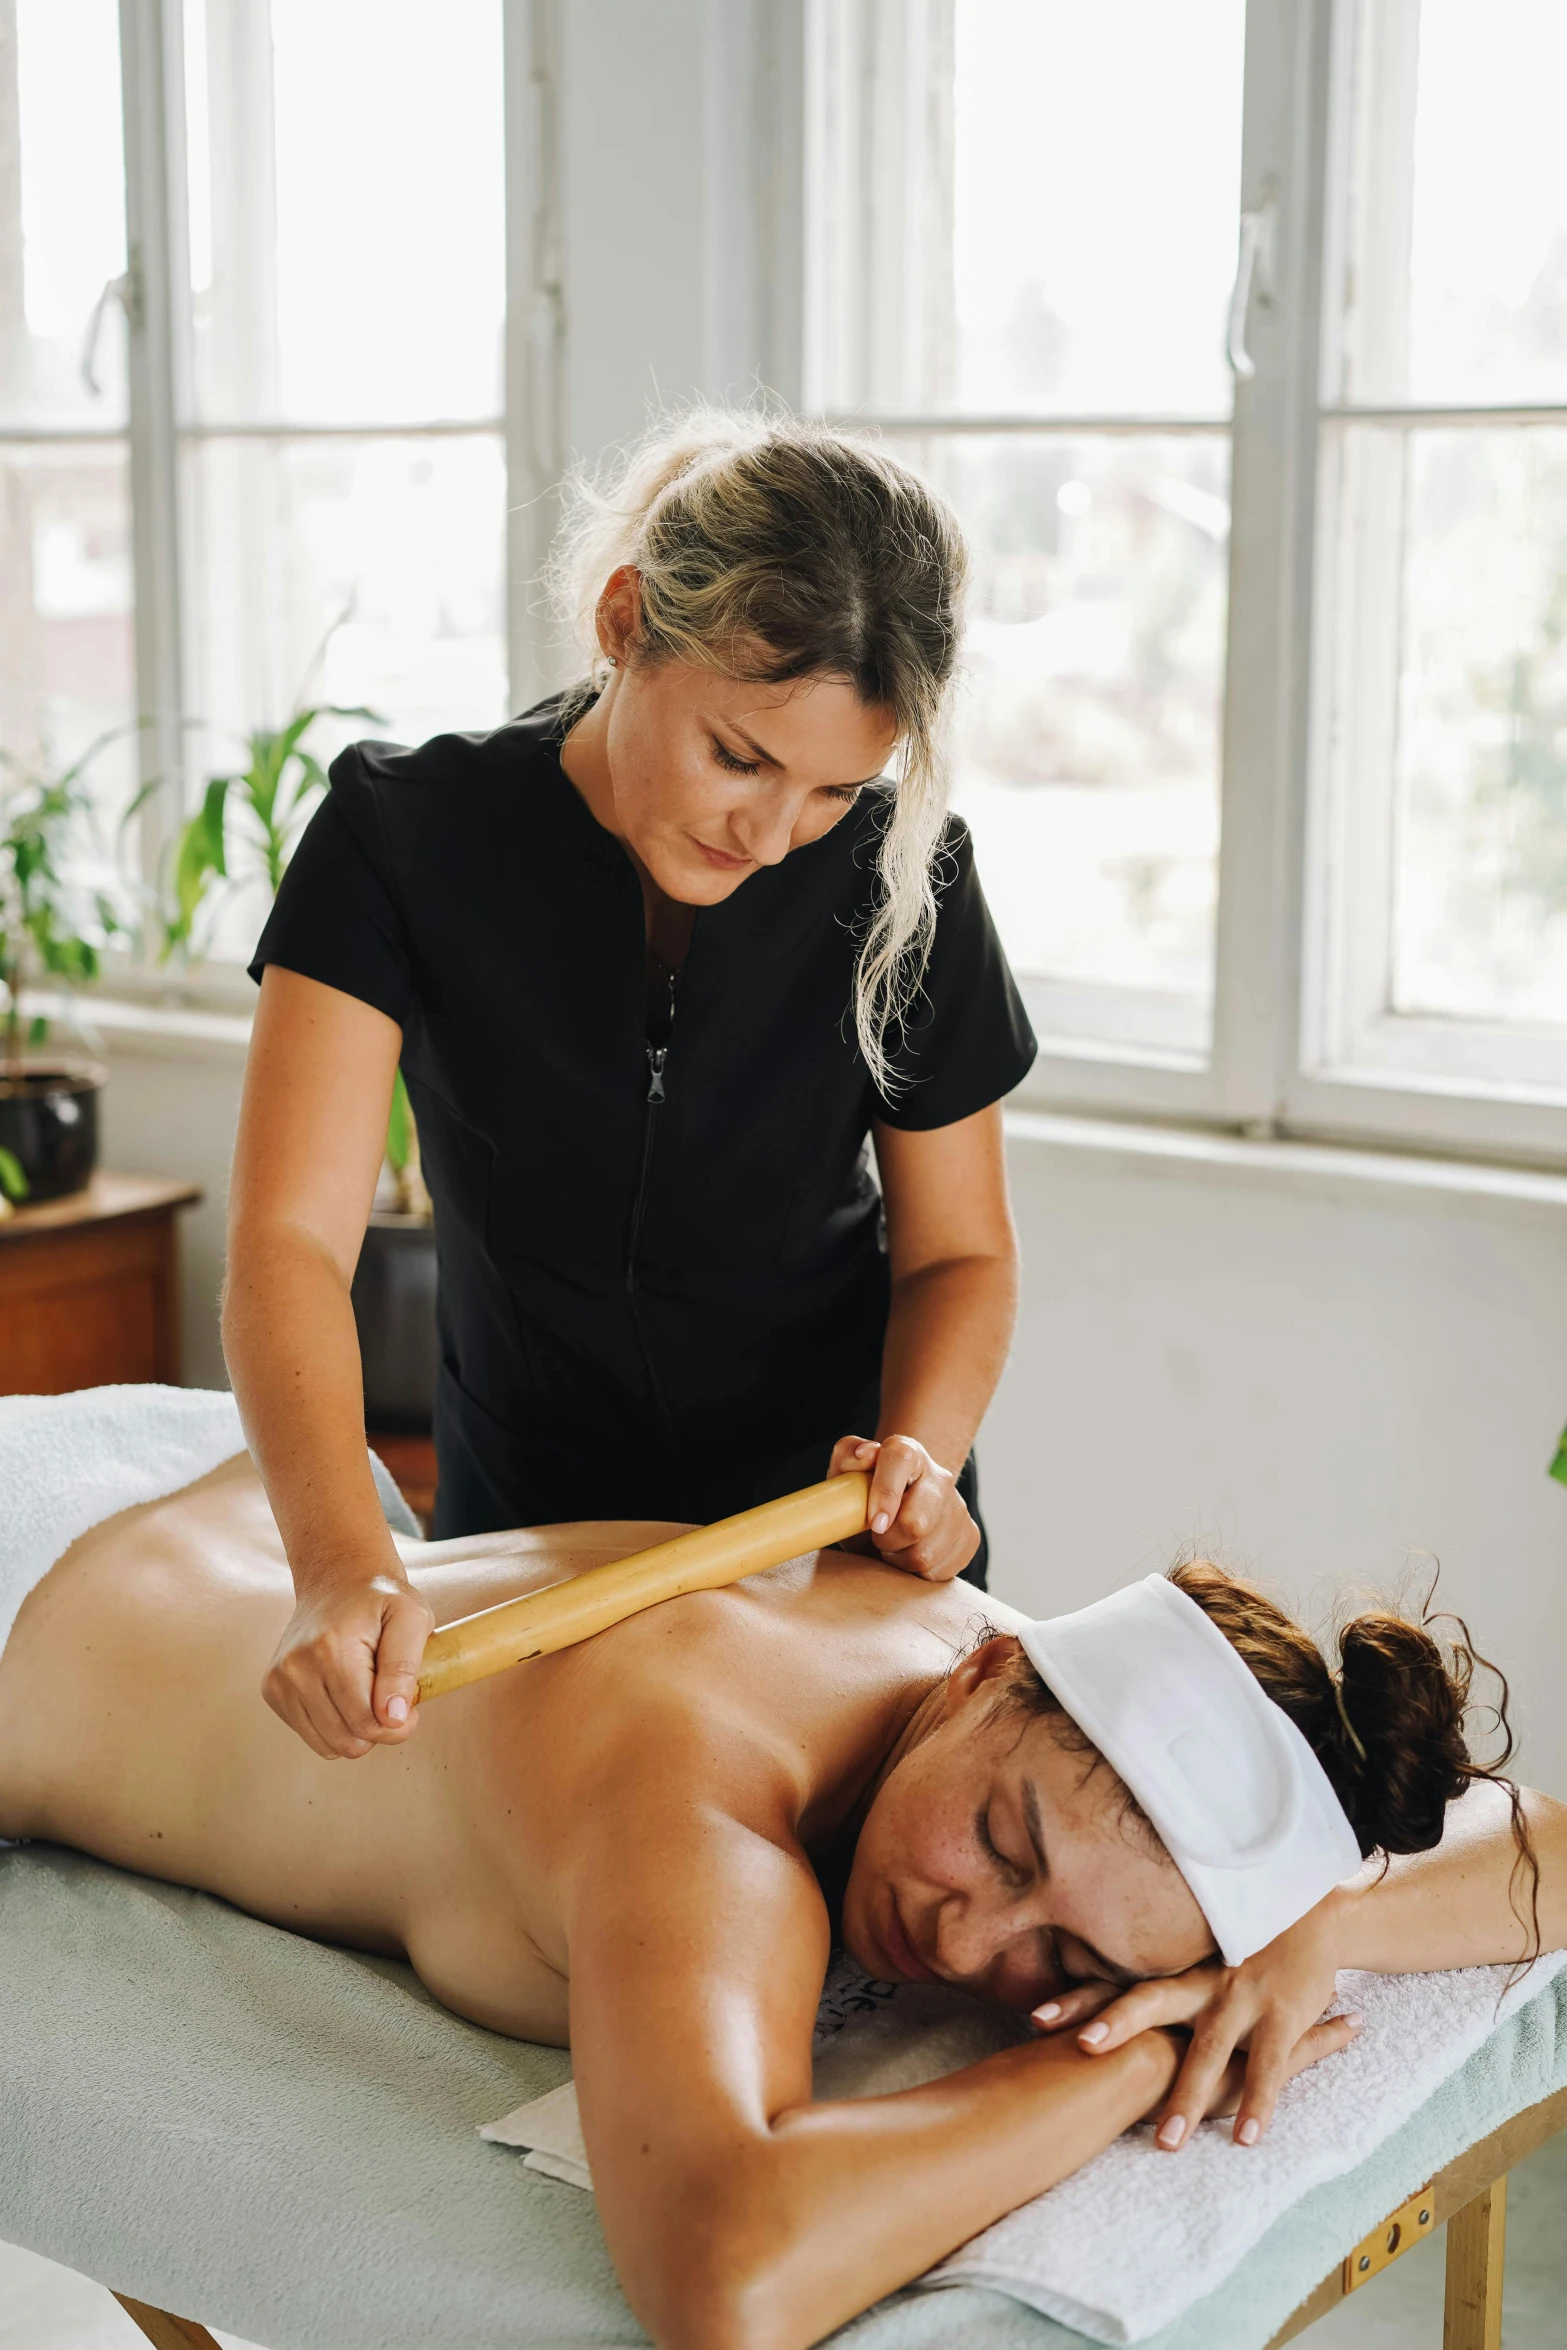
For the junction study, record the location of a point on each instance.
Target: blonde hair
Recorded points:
(771, 550)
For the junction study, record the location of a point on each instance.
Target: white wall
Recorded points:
(1311, 1372)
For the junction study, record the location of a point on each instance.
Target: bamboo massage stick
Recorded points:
(703, 1560)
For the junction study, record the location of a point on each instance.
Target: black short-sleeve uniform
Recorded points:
(649, 1308)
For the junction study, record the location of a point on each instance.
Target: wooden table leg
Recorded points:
(1476, 2244)
(164, 2331)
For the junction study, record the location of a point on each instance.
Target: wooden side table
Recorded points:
(411, 1460)
(89, 1287)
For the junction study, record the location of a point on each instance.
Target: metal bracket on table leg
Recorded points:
(1409, 2225)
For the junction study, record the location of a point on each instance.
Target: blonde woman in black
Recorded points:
(662, 961)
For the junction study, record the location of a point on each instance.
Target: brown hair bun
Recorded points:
(1389, 1730)
(1402, 1757)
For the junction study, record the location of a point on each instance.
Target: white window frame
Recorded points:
(1364, 1071)
(1302, 1043)
(1286, 952)
(1240, 1082)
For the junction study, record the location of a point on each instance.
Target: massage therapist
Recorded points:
(657, 959)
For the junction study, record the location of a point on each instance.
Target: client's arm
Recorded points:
(1470, 1902)
(740, 2215)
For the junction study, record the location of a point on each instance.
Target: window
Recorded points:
(1238, 335)
(342, 464)
(67, 671)
(1236, 331)
(1063, 379)
(252, 436)
(1441, 888)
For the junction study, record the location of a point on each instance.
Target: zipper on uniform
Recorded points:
(657, 1057)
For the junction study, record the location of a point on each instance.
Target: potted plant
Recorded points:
(394, 1282)
(52, 927)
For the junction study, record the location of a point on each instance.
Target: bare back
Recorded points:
(132, 1727)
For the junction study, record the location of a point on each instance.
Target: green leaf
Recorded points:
(350, 710)
(1558, 1467)
(214, 802)
(399, 1126)
(64, 957)
(298, 725)
(37, 1032)
(12, 1181)
(199, 855)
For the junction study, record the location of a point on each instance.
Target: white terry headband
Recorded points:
(1242, 1804)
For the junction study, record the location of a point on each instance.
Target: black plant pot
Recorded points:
(394, 1307)
(49, 1123)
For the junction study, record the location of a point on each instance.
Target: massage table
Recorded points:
(225, 2121)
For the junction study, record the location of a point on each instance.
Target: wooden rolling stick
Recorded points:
(702, 1560)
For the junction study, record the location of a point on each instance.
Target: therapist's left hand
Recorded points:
(1265, 2007)
(917, 1518)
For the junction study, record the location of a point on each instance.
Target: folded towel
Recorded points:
(68, 1462)
(1136, 2236)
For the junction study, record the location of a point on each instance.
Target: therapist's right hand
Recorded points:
(346, 1671)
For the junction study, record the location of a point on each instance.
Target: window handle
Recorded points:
(1253, 272)
(121, 289)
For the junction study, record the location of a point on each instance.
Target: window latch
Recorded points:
(125, 290)
(1253, 275)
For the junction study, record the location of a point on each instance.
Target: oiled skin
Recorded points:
(131, 1727)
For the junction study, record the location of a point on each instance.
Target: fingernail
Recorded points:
(1092, 2034)
(862, 1452)
(1353, 2017)
(1249, 2132)
(880, 1522)
(397, 1709)
(1048, 2013)
(1172, 2132)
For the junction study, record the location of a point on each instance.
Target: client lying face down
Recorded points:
(625, 1845)
(1015, 1861)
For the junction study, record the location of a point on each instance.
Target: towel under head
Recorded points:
(1242, 1805)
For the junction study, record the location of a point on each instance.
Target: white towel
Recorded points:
(68, 1462)
(1136, 2236)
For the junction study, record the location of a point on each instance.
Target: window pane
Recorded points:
(347, 214)
(1097, 183)
(1480, 812)
(398, 542)
(1459, 205)
(66, 653)
(1088, 732)
(62, 210)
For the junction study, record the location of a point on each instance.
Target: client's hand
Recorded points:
(918, 1518)
(346, 1671)
(1324, 2039)
(1270, 2006)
